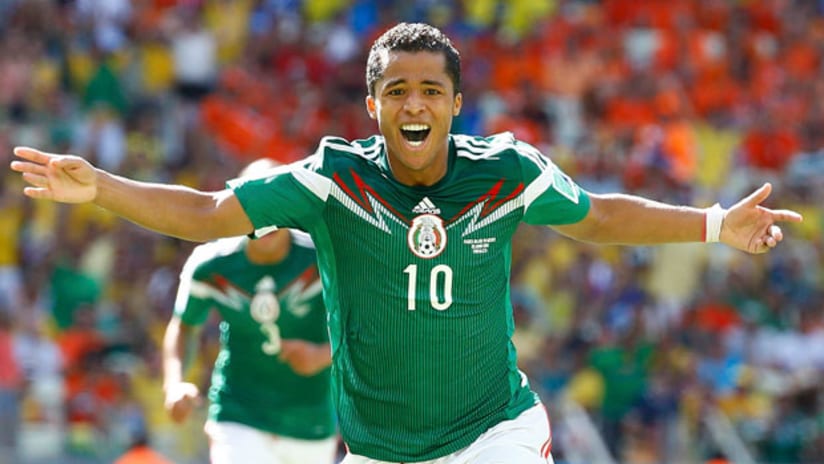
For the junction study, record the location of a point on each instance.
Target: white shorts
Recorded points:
(232, 443)
(523, 440)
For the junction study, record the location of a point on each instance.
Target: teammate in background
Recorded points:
(413, 229)
(270, 398)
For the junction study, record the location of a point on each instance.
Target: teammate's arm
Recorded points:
(633, 220)
(179, 343)
(172, 210)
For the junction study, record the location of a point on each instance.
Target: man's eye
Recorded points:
(433, 92)
(395, 92)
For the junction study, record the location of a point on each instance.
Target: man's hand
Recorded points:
(181, 399)
(63, 178)
(751, 227)
(305, 358)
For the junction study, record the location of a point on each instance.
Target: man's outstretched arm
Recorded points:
(632, 220)
(172, 210)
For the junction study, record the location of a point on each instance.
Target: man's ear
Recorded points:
(457, 104)
(371, 107)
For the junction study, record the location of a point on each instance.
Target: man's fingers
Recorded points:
(39, 186)
(32, 154)
(758, 196)
(24, 167)
(775, 232)
(786, 215)
(35, 179)
(66, 162)
(771, 239)
(38, 193)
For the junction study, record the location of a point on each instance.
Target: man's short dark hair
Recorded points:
(412, 37)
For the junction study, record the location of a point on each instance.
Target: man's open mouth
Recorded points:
(415, 134)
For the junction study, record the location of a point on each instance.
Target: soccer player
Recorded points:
(270, 398)
(413, 230)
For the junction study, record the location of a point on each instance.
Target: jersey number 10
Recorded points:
(440, 274)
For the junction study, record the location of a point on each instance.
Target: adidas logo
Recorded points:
(426, 207)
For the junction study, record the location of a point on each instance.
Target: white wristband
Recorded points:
(713, 219)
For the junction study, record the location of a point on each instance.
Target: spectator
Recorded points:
(12, 382)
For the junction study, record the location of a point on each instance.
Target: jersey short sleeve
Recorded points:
(550, 197)
(286, 196)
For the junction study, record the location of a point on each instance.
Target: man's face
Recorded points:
(414, 104)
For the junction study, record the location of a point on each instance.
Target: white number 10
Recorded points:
(434, 277)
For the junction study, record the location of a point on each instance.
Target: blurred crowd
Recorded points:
(676, 353)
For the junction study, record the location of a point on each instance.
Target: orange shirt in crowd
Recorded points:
(75, 343)
(142, 455)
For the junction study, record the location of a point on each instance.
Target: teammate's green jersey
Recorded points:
(416, 282)
(260, 305)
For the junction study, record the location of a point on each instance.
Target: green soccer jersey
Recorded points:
(416, 282)
(260, 305)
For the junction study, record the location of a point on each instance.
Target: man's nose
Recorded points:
(414, 102)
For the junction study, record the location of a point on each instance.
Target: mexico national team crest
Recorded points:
(427, 236)
(265, 307)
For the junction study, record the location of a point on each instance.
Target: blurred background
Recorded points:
(679, 353)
